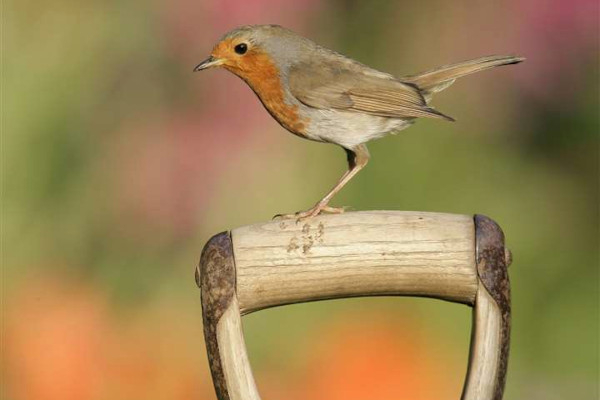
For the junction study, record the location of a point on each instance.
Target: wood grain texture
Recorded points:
(486, 349)
(451, 257)
(355, 254)
(234, 357)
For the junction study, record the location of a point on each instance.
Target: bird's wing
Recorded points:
(344, 88)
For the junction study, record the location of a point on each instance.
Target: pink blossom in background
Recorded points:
(167, 168)
(560, 40)
(192, 26)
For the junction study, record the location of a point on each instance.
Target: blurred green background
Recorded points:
(118, 164)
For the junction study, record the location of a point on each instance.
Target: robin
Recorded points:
(321, 95)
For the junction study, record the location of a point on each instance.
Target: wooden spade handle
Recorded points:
(451, 257)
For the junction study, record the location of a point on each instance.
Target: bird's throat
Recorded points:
(263, 76)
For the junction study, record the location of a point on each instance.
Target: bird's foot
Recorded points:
(312, 212)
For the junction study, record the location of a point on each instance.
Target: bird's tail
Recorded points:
(440, 78)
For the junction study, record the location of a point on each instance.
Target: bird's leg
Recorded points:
(357, 159)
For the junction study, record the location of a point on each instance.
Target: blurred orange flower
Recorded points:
(62, 343)
(54, 342)
(360, 357)
(377, 359)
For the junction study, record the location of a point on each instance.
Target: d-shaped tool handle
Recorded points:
(452, 257)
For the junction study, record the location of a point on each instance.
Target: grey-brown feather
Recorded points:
(338, 86)
(440, 78)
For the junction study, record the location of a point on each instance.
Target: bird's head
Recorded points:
(254, 49)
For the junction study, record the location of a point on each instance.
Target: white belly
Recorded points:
(349, 129)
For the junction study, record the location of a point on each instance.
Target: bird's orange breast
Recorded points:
(262, 75)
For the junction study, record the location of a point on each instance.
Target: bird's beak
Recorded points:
(209, 63)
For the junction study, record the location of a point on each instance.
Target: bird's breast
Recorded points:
(263, 76)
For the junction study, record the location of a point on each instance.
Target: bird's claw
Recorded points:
(312, 212)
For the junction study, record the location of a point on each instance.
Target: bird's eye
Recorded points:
(241, 48)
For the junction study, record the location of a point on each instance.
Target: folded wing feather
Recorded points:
(342, 88)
